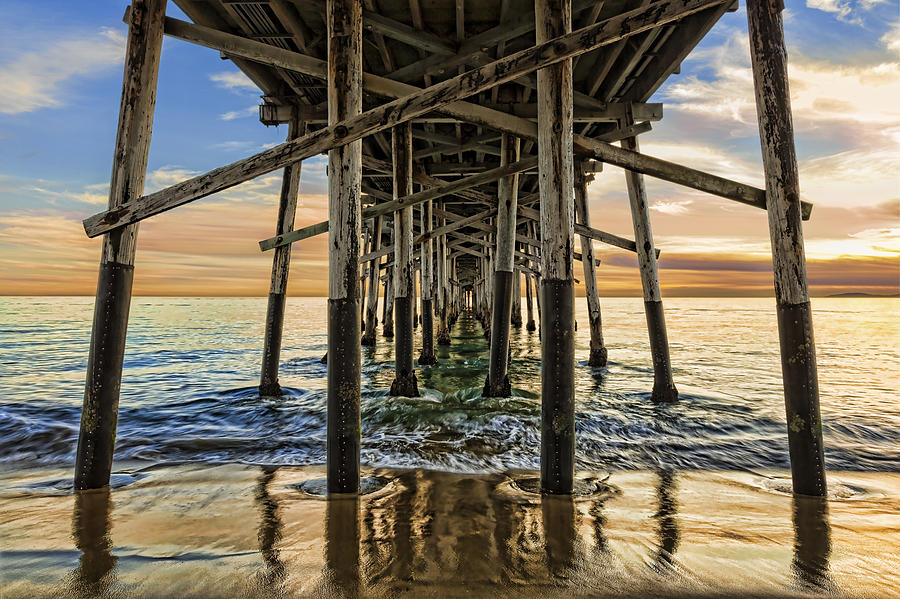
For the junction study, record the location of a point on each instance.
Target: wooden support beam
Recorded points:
(609, 113)
(555, 162)
(458, 224)
(497, 383)
(647, 165)
(427, 356)
(549, 52)
(401, 203)
(281, 261)
(472, 48)
(598, 352)
(344, 221)
(372, 302)
(590, 232)
(99, 413)
(795, 328)
(664, 389)
(405, 383)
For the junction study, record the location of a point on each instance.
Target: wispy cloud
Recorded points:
(35, 79)
(891, 39)
(235, 81)
(845, 10)
(239, 114)
(845, 100)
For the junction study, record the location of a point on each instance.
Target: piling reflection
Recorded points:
(448, 528)
(666, 523)
(342, 541)
(560, 526)
(270, 530)
(90, 530)
(812, 542)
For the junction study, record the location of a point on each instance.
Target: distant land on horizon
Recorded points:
(858, 294)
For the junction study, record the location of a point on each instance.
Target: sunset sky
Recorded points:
(60, 81)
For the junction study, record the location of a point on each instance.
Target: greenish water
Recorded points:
(188, 391)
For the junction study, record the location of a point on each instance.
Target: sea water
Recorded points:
(192, 365)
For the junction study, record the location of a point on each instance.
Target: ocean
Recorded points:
(192, 365)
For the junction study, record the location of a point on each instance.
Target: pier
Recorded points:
(461, 140)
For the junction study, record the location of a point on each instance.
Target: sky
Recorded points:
(60, 85)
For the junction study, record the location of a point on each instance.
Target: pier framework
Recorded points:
(489, 119)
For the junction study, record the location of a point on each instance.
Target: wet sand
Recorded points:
(246, 531)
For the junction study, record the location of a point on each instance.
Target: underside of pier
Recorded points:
(462, 137)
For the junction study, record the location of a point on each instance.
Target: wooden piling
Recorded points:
(387, 316)
(529, 304)
(555, 174)
(368, 337)
(663, 386)
(516, 317)
(443, 335)
(497, 383)
(99, 415)
(798, 351)
(405, 383)
(598, 353)
(427, 356)
(281, 262)
(344, 214)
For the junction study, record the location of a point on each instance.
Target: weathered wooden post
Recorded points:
(443, 335)
(405, 383)
(99, 414)
(368, 337)
(366, 242)
(387, 315)
(598, 353)
(516, 317)
(344, 216)
(663, 386)
(427, 356)
(798, 349)
(529, 304)
(497, 383)
(555, 174)
(281, 263)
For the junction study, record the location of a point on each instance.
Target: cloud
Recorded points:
(850, 109)
(35, 79)
(239, 114)
(235, 81)
(891, 39)
(844, 101)
(844, 8)
(672, 207)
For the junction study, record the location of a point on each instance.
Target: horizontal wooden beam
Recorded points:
(406, 201)
(401, 110)
(273, 56)
(682, 175)
(585, 231)
(462, 222)
(611, 112)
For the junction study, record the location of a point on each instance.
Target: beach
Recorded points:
(246, 531)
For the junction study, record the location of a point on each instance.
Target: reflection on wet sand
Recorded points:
(342, 541)
(270, 530)
(433, 534)
(666, 522)
(812, 542)
(90, 531)
(452, 528)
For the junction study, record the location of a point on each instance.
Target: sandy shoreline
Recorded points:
(245, 531)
